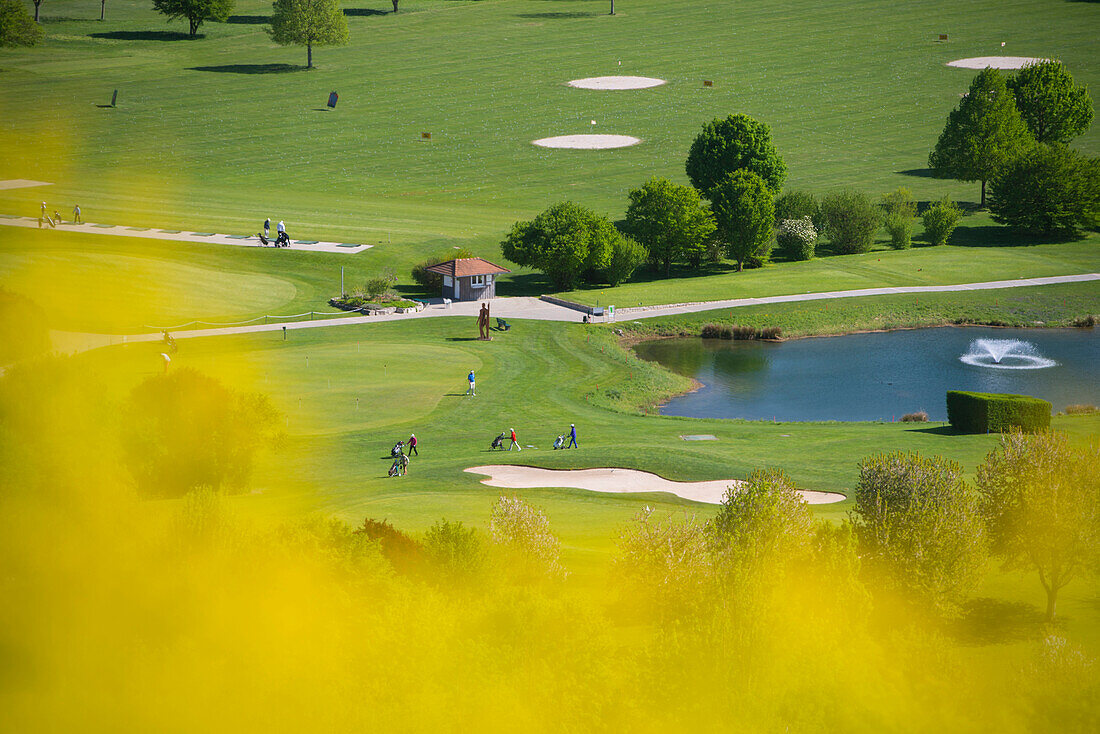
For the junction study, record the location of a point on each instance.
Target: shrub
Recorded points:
(919, 526)
(977, 412)
(665, 564)
(522, 531)
(376, 288)
(797, 238)
(1085, 322)
(919, 417)
(740, 333)
(1082, 409)
(17, 28)
(626, 256)
(454, 549)
(851, 220)
(401, 550)
(900, 229)
(940, 221)
(798, 205)
(711, 331)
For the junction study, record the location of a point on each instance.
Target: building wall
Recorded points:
(467, 292)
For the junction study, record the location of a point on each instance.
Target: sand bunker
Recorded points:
(587, 142)
(620, 480)
(995, 62)
(21, 183)
(617, 82)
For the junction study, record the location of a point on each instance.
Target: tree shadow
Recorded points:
(147, 36)
(997, 236)
(945, 430)
(556, 15)
(364, 12)
(463, 338)
(249, 19)
(250, 68)
(968, 207)
(919, 173)
(987, 621)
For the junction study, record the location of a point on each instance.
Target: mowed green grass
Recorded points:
(219, 132)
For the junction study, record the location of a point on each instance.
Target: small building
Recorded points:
(468, 278)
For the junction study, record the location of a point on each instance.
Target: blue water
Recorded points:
(866, 377)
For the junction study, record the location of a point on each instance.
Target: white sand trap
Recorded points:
(587, 142)
(620, 480)
(617, 82)
(22, 183)
(995, 62)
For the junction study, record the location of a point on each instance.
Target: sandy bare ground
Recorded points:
(621, 481)
(617, 82)
(587, 142)
(22, 183)
(995, 62)
(179, 236)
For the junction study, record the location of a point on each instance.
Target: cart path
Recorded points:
(153, 233)
(533, 308)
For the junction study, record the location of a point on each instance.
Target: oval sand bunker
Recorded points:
(995, 62)
(587, 142)
(617, 82)
(621, 480)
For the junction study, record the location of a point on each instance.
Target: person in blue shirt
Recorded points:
(572, 436)
(470, 390)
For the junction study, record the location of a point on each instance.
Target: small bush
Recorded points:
(797, 238)
(1085, 322)
(375, 288)
(900, 202)
(1082, 409)
(740, 333)
(711, 331)
(900, 229)
(976, 412)
(798, 205)
(402, 551)
(919, 417)
(851, 220)
(940, 221)
(626, 255)
(454, 549)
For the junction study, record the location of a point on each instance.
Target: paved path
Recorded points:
(533, 308)
(181, 236)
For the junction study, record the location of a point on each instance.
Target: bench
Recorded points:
(503, 325)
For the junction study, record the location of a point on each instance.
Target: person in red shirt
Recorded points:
(412, 445)
(514, 441)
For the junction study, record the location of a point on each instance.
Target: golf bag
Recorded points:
(282, 240)
(559, 442)
(498, 442)
(398, 449)
(395, 470)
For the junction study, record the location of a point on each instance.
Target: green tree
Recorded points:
(940, 220)
(982, 134)
(851, 219)
(1051, 189)
(918, 525)
(196, 11)
(1055, 109)
(745, 213)
(626, 256)
(522, 533)
(735, 143)
(308, 23)
(455, 550)
(900, 209)
(568, 242)
(1040, 498)
(186, 430)
(670, 220)
(16, 26)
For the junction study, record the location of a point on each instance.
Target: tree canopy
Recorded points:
(671, 221)
(1051, 189)
(745, 213)
(1054, 108)
(568, 242)
(196, 11)
(735, 143)
(308, 23)
(982, 134)
(16, 26)
(1040, 498)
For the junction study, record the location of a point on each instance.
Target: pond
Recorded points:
(877, 376)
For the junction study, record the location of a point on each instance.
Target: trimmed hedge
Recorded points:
(982, 412)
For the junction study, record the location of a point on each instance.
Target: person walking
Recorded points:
(514, 441)
(42, 215)
(267, 228)
(280, 228)
(76, 215)
(470, 390)
(412, 445)
(572, 436)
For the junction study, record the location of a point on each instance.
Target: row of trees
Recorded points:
(917, 528)
(1013, 134)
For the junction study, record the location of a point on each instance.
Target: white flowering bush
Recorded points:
(522, 531)
(797, 238)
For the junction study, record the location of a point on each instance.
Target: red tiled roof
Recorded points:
(467, 266)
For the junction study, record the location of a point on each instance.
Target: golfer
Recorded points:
(514, 441)
(470, 390)
(572, 436)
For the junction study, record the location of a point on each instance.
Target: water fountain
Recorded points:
(1005, 354)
